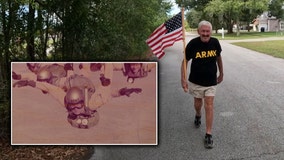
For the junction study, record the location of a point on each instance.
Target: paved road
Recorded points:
(249, 112)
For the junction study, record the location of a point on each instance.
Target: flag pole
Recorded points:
(183, 37)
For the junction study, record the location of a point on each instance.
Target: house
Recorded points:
(266, 23)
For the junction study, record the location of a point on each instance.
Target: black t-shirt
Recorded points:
(203, 69)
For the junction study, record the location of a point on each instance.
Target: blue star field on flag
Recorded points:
(173, 23)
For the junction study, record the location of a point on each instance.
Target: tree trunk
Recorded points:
(7, 23)
(238, 27)
(30, 36)
(43, 40)
(228, 22)
(230, 27)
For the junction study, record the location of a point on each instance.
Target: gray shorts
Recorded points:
(201, 91)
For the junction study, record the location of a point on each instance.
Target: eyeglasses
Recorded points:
(74, 106)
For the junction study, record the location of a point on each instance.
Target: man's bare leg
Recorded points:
(198, 102)
(209, 101)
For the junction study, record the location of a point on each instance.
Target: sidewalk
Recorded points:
(254, 40)
(192, 35)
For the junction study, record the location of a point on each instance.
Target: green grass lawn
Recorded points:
(274, 48)
(248, 35)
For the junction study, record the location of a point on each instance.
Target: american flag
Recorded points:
(165, 35)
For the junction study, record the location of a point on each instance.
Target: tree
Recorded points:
(89, 30)
(8, 21)
(76, 29)
(232, 11)
(197, 5)
(193, 17)
(30, 33)
(226, 12)
(276, 8)
(252, 9)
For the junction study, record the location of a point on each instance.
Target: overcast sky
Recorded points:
(175, 8)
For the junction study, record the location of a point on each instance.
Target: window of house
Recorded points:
(282, 26)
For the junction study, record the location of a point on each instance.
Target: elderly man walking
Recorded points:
(205, 53)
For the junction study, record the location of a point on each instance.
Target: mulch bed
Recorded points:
(8, 152)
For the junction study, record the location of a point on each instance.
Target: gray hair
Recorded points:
(205, 23)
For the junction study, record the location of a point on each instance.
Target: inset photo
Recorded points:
(84, 103)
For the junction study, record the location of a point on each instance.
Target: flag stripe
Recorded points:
(165, 35)
(167, 42)
(157, 38)
(158, 32)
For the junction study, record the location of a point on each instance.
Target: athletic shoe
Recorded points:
(197, 121)
(208, 141)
